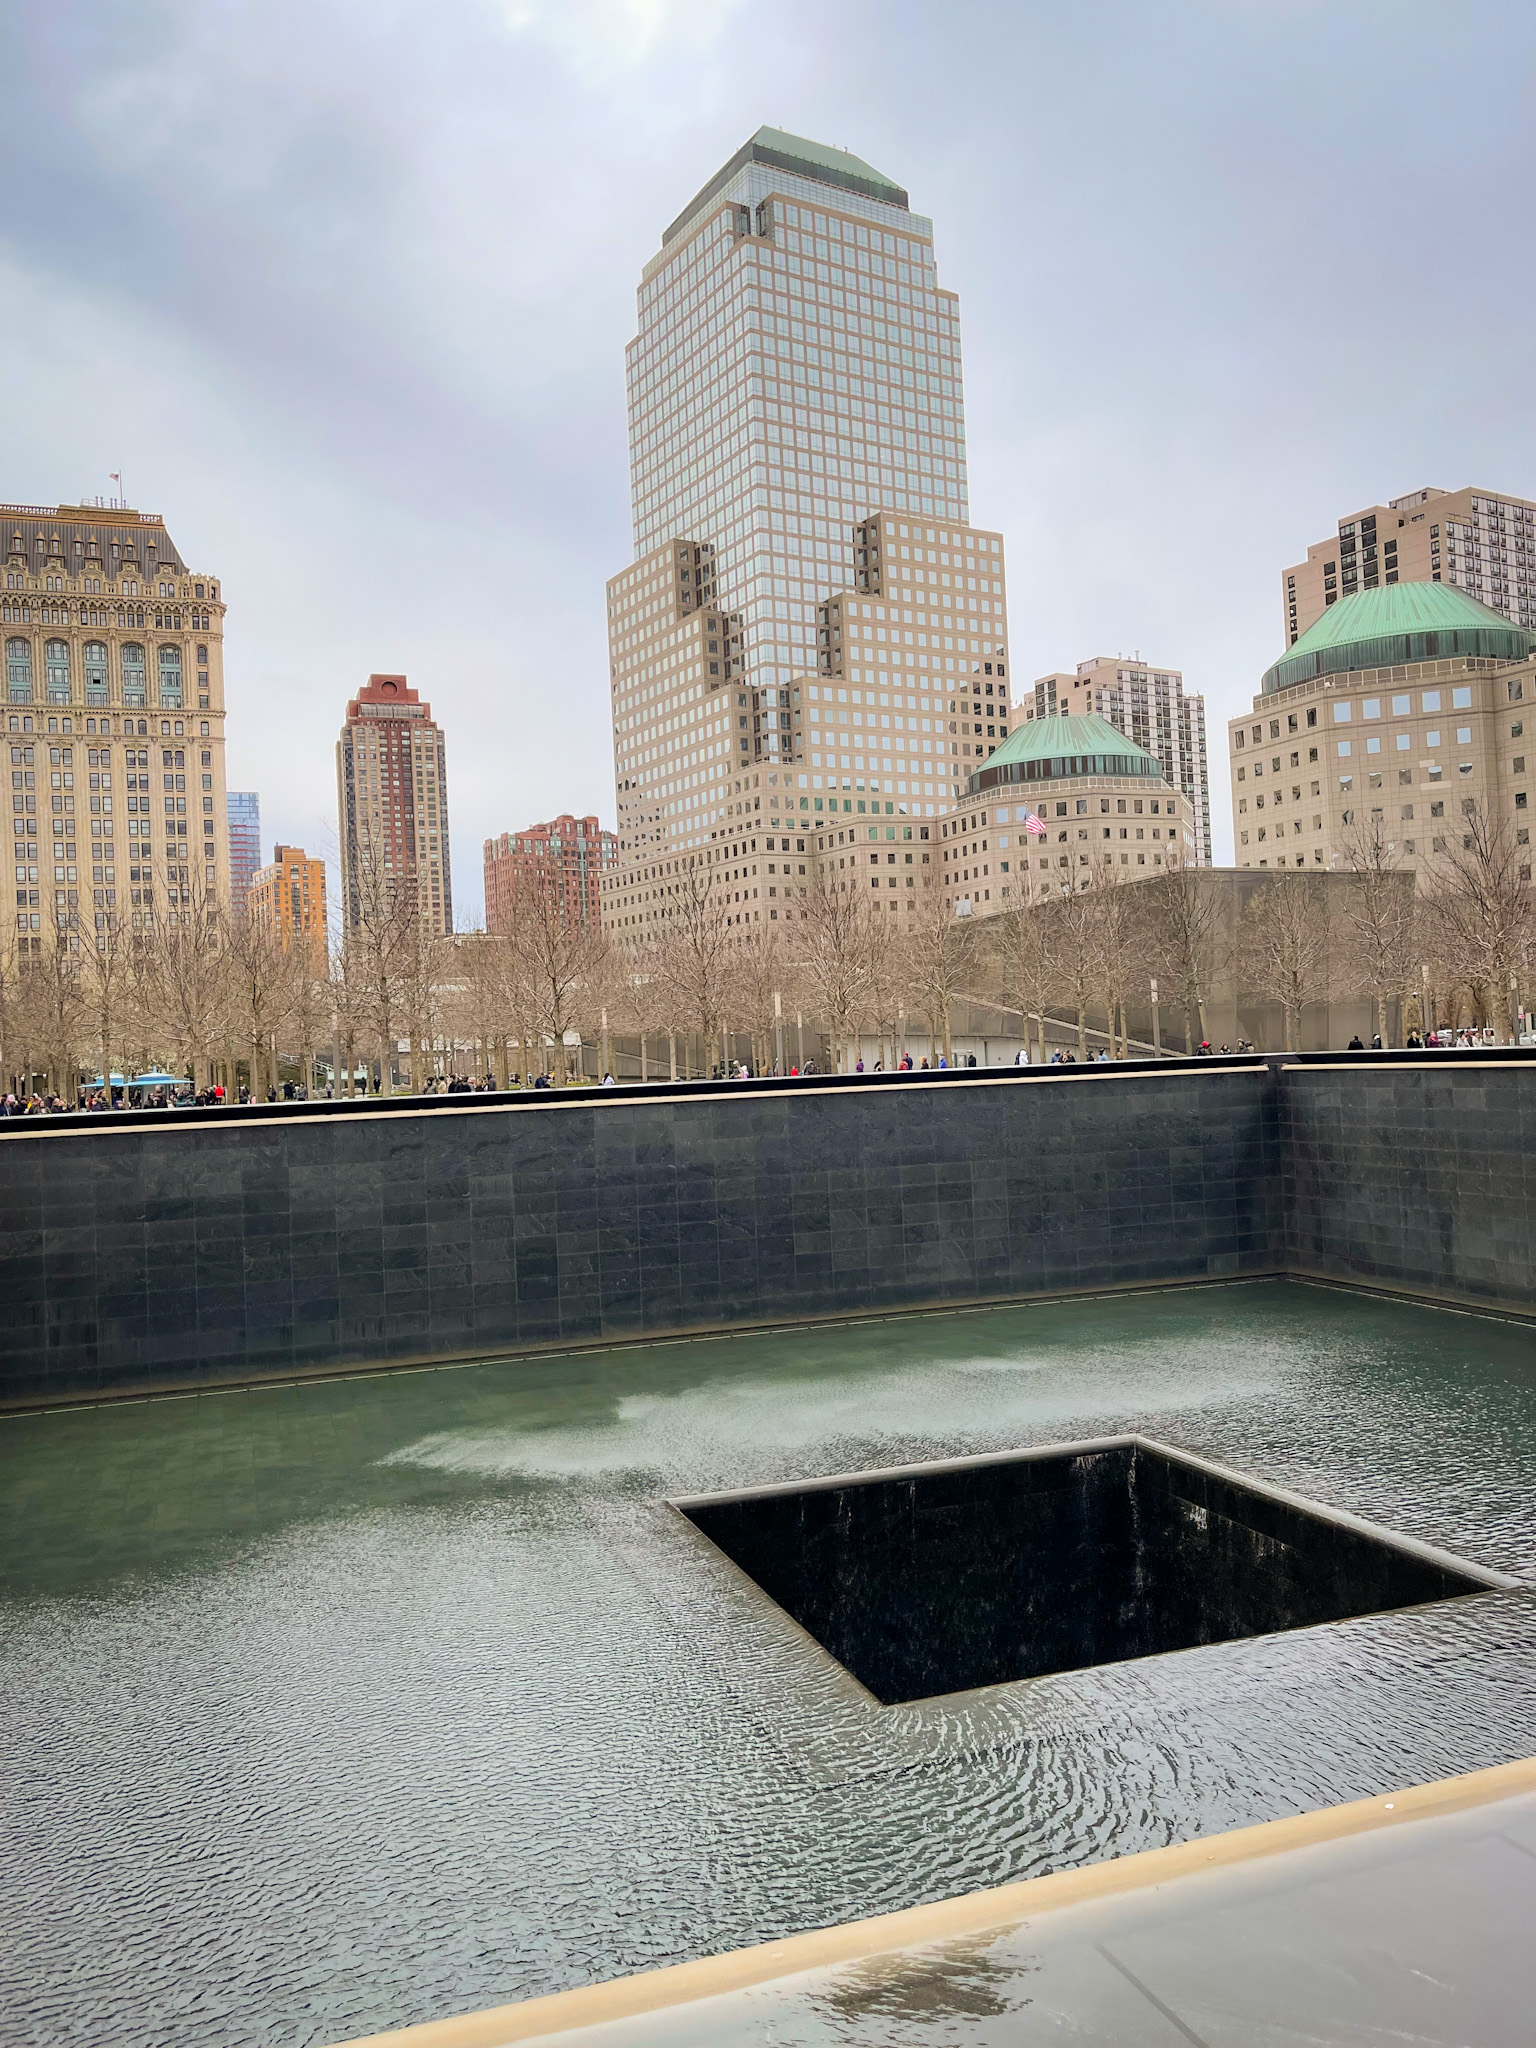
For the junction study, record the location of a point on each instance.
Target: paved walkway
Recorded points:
(1409, 1921)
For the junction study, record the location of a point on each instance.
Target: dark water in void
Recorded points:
(335, 1707)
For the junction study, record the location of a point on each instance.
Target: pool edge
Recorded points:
(968, 1914)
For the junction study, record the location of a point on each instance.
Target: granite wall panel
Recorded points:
(175, 1250)
(1416, 1176)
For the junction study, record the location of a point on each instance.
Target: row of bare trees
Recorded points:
(190, 992)
(1454, 951)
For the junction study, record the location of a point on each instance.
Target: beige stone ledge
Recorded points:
(971, 1914)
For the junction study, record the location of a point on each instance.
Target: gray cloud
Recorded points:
(346, 294)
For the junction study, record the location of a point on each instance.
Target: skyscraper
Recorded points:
(114, 681)
(1472, 538)
(392, 798)
(796, 413)
(244, 809)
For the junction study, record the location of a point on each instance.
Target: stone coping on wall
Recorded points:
(972, 1914)
(242, 1116)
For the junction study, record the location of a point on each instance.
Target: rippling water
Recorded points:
(340, 1706)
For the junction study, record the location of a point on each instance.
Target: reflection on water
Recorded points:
(345, 1705)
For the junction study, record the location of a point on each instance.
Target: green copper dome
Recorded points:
(1058, 747)
(1400, 623)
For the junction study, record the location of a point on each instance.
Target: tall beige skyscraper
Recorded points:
(114, 683)
(392, 797)
(1473, 539)
(796, 371)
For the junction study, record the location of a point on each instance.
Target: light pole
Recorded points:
(1157, 1023)
(778, 1033)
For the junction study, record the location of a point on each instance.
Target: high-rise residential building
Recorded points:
(1475, 539)
(288, 899)
(562, 862)
(114, 685)
(244, 808)
(797, 443)
(392, 798)
(1068, 798)
(1146, 702)
(1397, 711)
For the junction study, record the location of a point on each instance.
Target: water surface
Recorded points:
(338, 1706)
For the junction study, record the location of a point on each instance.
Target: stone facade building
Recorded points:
(563, 861)
(114, 714)
(1396, 710)
(1067, 798)
(392, 797)
(1146, 702)
(811, 626)
(288, 899)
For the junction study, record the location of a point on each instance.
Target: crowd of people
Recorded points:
(100, 1099)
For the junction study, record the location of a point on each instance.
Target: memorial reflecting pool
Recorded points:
(337, 1706)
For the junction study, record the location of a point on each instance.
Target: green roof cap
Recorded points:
(1399, 623)
(803, 158)
(1058, 747)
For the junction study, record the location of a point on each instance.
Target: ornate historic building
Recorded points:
(114, 715)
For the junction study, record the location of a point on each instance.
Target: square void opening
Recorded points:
(937, 1578)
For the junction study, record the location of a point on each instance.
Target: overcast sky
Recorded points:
(344, 293)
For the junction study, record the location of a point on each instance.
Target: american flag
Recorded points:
(1033, 825)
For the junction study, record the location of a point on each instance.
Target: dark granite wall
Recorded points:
(1417, 1176)
(229, 1243)
(178, 1251)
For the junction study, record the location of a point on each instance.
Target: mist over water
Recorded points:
(345, 1705)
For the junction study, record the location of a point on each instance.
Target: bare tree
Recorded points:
(756, 972)
(1480, 911)
(111, 985)
(1182, 934)
(186, 979)
(1285, 947)
(641, 1001)
(1027, 967)
(1076, 915)
(941, 955)
(57, 1016)
(840, 945)
(382, 949)
(692, 952)
(1381, 923)
(1119, 946)
(563, 966)
(259, 982)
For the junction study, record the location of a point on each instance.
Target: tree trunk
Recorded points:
(1082, 1032)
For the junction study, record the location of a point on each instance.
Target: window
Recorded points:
(1461, 700)
(1342, 714)
(170, 678)
(1430, 701)
(95, 664)
(1345, 749)
(18, 671)
(56, 670)
(135, 695)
